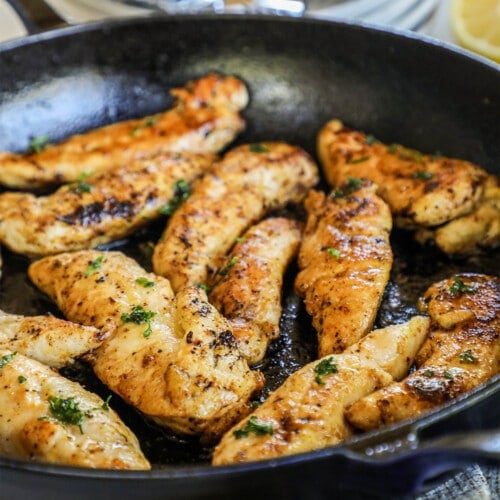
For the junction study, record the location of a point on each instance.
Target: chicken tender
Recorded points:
(99, 209)
(306, 412)
(52, 341)
(421, 190)
(237, 192)
(461, 352)
(174, 359)
(204, 119)
(47, 418)
(345, 259)
(473, 232)
(248, 293)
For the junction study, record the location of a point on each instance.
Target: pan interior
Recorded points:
(300, 74)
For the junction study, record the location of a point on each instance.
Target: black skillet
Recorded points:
(300, 73)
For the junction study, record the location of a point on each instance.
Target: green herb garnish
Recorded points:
(21, 379)
(144, 282)
(255, 427)
(66, 411)
(333, 252)
(411, 154)
(468, 357)
(94, 265)
(147, 248)
(448, 374)
(352, 184)
(258, 148)
(323, 368)
(240, 239)
(105, 405)
(38, 144)
(225, 270)
(80, 186)
(204, 287)
(460, 287)
(423, 175)
(139, 316)
(4, 360)
(393, 148)
(371, 139)
(360, 160)
(148, 122)
(429, 373)
(182, 191)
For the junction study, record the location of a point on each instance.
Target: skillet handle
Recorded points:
(415, 466)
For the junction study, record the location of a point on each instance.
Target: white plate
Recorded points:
(81, 11)
(10, 24)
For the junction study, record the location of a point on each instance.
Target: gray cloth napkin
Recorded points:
(473, 483)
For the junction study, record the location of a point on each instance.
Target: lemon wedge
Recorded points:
(476, 24)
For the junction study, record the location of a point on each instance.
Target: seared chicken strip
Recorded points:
(345, 260)
(462, 351)
(249, 291)
(52, 341)
(306, 412)
(470, 233)
(237, 192)
(175, 359)
(99, 209)
(47, 418)
(421, 190)
(204, 119)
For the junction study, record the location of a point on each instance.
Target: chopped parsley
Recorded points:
(371, 139)
(258, 148)
(225, 270)
(425, 176)
(429, 373)
(182, 191)
(360, 160)
(38, 144)
(411, 154)
(80, 186)
(4, 360)
(94, 265)
(323, 368)
(21, 379)
(448, 374)
(352, 184)
(405, 153)
(468, 357)
(148, 122)
(240, 239)
(459, 287)
(66, 411)
(144, 282)
(147, 248)
(139, 316)
(204, 287)
(255, 427)
(333, 252)
(105, 405)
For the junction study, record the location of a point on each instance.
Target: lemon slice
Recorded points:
(476, 24)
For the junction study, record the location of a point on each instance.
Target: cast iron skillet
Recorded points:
(300, 74)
